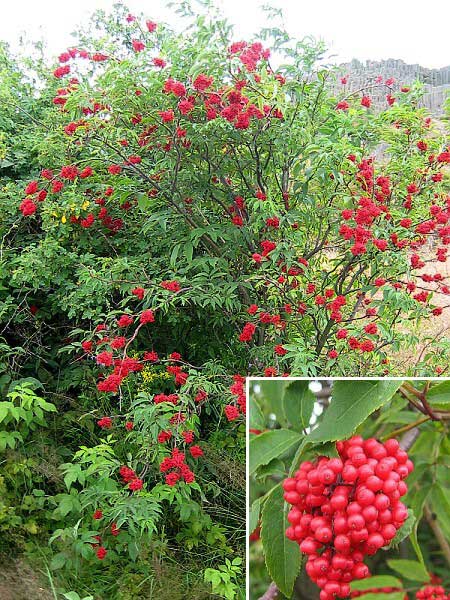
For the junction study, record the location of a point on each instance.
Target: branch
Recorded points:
(271, 593)
(405, 428)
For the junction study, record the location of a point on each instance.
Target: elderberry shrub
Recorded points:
(346, 508)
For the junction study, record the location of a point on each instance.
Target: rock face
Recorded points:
(436, 82)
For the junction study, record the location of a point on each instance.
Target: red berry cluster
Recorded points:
(345, 508)
(239, 407)
(130, 478)
(175, 463)
(384, 590)
(432, 592)
(99, 548)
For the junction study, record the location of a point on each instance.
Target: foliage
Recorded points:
(106, 491)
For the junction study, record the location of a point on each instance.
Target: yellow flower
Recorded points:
(63, 219)
(85, 205)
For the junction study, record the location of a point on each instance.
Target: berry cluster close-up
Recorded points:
(346, 508)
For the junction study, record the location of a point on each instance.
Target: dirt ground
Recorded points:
(18, 581)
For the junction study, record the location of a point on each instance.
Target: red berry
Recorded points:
(302, 486)
(360, 571)
(340, 525)
(392, 446)
(378, 452)
(321, 564)
(354, 508)
(327, 476)
(359, 459)
(400, 514)
(292, 497)
(342, 543)
(374, 483)
(383, 470)
(289, 485)
(339, 502)
(388, 532)
(294, 516)
(349, 474)
(389, 486)
(365, 497)
(356, 521)
(369, 513)
(309, 546)
(401, 457)
(336, 465)
(385, 516)
(332, 588)
(339, 562)
(360, 536)
(375, 541)
(364, 472)
(381, 502)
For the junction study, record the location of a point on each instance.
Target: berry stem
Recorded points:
(405, 428)
(427, 407)
(405, 391)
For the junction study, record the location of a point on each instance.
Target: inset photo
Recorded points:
(349, 489)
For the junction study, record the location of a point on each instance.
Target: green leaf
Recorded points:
(255, 510)
(58, 561)
(273, 393)
(269, 445)
(143, 201)
(439, 394)
(441, 507)
(415, 545)
(72, 596)
(351, 403)
(48, 406)
(417, 504)
(66, 505)
(410, 569)
(298, 404)
(283, 557)
(4, 409)
(275, 468)
(298, 457)
(133, 550)
(257, 420)
(378, 581)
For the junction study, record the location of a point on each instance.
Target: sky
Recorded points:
(381, 29)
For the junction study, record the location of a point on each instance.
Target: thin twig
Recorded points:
(434, 525)
(271, 593)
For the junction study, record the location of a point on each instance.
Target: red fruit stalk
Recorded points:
(347, 508)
